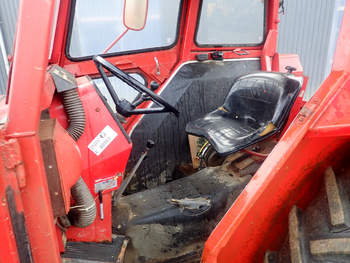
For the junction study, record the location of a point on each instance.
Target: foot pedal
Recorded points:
(79, 252)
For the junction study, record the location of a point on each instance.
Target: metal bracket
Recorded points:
(63, 79)
(13, 161)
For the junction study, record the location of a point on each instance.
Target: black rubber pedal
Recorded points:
(78, 252)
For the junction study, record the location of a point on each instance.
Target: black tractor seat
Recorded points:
(257, 106)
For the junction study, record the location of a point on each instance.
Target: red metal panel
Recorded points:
(342, 53)
(48, 91)
(29, 66)
(37, 204)
(292, 60)
(69, 165)
(99, 230)
(110, 164)
(298, 105)
(26, 86)
(269, 50)
(8, 247)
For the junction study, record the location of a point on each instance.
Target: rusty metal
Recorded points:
(121, 255)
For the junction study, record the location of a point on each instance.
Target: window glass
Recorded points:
(231, 22)
(123, 90)
(97, 23)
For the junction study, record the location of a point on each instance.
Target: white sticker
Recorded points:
(106, 183)
(102, 140)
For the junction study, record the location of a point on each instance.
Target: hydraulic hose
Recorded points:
(83, 213)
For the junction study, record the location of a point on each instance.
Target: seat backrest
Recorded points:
(263, 97)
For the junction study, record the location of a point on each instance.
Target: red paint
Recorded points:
(110, 163)
(8, 247)
(36, 201)
(48, 91)
(60, 239)
(25, 92)
(292, 60)
(269, 50)
(297, 106)
(342, 52)
(69, 165)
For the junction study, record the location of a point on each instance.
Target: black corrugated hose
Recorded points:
(83, 213)
(75, 112)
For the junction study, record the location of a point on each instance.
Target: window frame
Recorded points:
(115, 54)
(230, 45)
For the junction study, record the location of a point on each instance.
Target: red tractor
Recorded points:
(170, 131)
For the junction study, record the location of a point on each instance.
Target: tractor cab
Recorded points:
(163, 111)
(202, 83)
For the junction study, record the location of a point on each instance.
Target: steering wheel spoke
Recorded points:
(123, 106)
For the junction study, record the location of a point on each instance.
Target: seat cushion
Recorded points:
(257, 107)
(225, 134)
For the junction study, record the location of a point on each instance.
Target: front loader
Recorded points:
(169, 131)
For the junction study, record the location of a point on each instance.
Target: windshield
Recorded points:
(231, 22)
(96, 24)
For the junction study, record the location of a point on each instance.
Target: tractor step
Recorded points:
(81, 252)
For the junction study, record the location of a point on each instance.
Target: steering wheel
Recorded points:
(123, 106)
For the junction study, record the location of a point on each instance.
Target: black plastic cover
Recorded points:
(63, 79)
(254, 102)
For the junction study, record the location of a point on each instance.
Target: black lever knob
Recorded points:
(290, 69)
(150, 144)
(154, 85)
(217, 55)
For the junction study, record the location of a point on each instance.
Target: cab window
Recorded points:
(123, 90)
(96, 24)
(231, 22)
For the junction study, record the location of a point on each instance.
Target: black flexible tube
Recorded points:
(75, 112)
(84, 211)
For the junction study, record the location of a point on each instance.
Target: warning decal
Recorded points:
(102, 140)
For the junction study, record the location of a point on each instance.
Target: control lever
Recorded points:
(127, 181)
(100, 198)
(290, 69)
